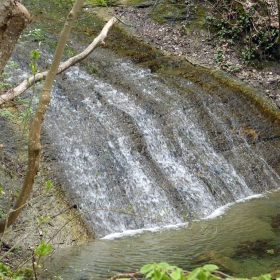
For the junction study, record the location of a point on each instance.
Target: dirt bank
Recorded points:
(171, 39)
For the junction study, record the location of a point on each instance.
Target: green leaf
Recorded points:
(146, 268)
(207, 273)
(124, 278)
(157, 275)
(177, 274)
(166, 277)
(48, 185)
(194, 274)
(163, 265)
(203, 276)
(43, 220)
(150, 274)
(43, 249)
(265, 277)
(210, 267)
(34, 54)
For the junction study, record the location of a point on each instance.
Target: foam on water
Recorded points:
(217, 213)
(134, 232)
(222, 210)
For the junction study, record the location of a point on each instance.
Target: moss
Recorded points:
(27, 273)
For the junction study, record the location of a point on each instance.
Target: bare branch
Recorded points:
(34, 145)
(99, 40)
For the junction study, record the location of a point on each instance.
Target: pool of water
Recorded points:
(247, 232)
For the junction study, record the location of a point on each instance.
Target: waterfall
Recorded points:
(136, 149)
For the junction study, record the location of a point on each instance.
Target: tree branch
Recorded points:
(34, 145)
(99, 40)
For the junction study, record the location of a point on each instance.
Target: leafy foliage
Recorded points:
(34, 55)
(43, 249)
(235, 23)
(164, 271)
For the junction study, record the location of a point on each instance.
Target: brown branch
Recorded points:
(99, 40)
(34, 266)
(135, 275)
(34, 145)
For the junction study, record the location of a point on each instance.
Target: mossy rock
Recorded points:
(265, 248)
(275, 223)
(275, 274)
(225, 263)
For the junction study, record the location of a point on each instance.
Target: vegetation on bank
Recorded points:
(156, 271)
(164, 271)
(252, 26)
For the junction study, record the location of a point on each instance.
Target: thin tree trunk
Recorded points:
(34, 145)
(14, 18)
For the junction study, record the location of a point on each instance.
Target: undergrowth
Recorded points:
(251, 27)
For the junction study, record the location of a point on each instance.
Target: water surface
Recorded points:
(248, 221)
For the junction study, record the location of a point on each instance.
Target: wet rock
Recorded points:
(223, 262)
(258, 248)
(145, 4)
(275, 223)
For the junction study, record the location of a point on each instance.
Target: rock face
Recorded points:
(175, 144)
(71, 229)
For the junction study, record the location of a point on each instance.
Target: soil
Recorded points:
(63, 226)
(196, 47)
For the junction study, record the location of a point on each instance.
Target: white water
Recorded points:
(137, 151)
(108, 171)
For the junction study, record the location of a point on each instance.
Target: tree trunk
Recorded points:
(34, 145)
(278, 38)
(14, 18)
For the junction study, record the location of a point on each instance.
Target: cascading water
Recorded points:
(160, 149)
(137, 149)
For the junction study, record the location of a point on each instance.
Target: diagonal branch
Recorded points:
(34, 145)
(99, 40)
